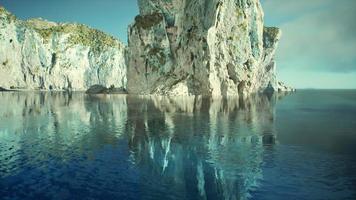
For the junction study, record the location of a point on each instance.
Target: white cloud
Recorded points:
(317, 34)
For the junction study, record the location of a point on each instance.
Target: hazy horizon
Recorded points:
(316, 51)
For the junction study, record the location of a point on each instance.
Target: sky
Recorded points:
(317, 49)
(318, 45)
(110, 16)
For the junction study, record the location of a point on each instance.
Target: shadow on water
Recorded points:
(133, 147)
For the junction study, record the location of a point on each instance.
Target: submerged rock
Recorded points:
(3, 89)
(99, 89)
(114, 90)
(38, 54)
(209, 47)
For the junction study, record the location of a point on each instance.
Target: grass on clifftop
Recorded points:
(79, 34)
(9, 17)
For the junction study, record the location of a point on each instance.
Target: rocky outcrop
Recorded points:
(99, 89)
(208, 47)
(281, 87)
(3, 89)
(37, 54)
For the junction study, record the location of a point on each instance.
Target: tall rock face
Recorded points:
(208, 47)
(37, 54)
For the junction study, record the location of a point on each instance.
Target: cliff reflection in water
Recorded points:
(202, 147)
(37, 127)
(191, 147)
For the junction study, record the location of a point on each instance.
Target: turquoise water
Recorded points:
(74, 146)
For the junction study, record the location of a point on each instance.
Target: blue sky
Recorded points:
(317, 49)
(110, 16)
(318, 46)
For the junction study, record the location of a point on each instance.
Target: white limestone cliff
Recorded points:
(205, 47)
(37, 54)
(176, 47)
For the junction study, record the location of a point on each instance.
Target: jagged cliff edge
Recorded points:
(201, 47)
(38, 54)
(196, 47)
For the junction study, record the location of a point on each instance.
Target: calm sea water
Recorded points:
(73, 146)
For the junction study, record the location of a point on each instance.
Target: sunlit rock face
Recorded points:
(37, 54)
(209, 47)
(192, 141)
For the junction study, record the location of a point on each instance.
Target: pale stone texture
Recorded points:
(37, 54)
(208, 47)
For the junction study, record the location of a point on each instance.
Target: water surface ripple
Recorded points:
(74, 146)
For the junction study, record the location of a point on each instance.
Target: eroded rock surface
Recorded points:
(176, 47)
(209, 47)
(37, 54)
(99, 89)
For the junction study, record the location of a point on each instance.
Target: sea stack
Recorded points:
(201, 47)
